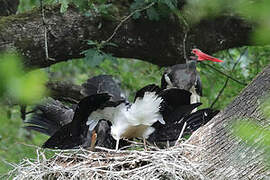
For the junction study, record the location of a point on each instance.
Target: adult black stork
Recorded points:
(185, 76)
(51, 115)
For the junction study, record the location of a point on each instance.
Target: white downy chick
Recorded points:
(136, 120)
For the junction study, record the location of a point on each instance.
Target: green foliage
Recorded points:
(252, 62)
(161, 8)
(13, 140)
(15, 83)
(95, 56)
(22, 87)
(89, 7)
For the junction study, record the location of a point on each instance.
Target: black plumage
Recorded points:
(183, 76)
(103, 84)
(49, 116)
(53, 118)
(76, 133)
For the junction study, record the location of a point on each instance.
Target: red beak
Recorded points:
(202, 56)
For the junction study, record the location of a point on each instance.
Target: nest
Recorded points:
(170, 163)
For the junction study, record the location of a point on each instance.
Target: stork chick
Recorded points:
(136, 120)
(131, 120)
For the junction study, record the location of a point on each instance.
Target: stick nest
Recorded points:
(171, 163)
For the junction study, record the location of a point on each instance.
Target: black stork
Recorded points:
(185, 76)
(51, 115)
(128, 120)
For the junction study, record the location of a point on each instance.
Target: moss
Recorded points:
(26, 16)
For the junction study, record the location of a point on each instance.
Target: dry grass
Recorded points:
(171, 163)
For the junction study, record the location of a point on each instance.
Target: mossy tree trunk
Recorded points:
(159, 42)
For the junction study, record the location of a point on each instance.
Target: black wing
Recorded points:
(199, 118)
(49, 116)
(149, 88)
(173, 99)
(198, 85)
(76, 133)
(103, 84)
(173, 126)
(171, 131)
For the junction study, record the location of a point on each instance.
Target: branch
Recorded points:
(159, 42)
(224, 74)
(227, 80)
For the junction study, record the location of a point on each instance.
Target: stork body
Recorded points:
(185, 76)
(56, 120)
(131, 120)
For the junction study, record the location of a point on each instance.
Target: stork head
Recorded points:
(181, 76)
(196, 51)
(200, 56)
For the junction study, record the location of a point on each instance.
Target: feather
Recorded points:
(76, 133)
(49, 116)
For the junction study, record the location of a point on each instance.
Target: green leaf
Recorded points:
(152, 14)
(23, 87)
(89, 54)
(29, 88)
(93, 57)
(136, 15)
(170, 3)
(97, 59)
(91, 43)
(251, 133)
(265, 106)
(111, 44)
(64, 5)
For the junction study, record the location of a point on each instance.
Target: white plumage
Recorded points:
(130, 121)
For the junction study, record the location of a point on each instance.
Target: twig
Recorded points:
(45, 32)
(227, 80)
(186, 29)
(220, 92)
(125, 19)
(181, 134)
(184, 47)
(110, 165)
(228, 76)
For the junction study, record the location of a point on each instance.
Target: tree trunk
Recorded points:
(159, 42)
(226, 156)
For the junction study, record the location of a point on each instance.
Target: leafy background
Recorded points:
(132, 74)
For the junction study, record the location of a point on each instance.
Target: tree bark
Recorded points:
(65, 91)
(226, 156)
(159, 42)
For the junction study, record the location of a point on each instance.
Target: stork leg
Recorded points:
(93, 140)
(144, 144)
(117, 145)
